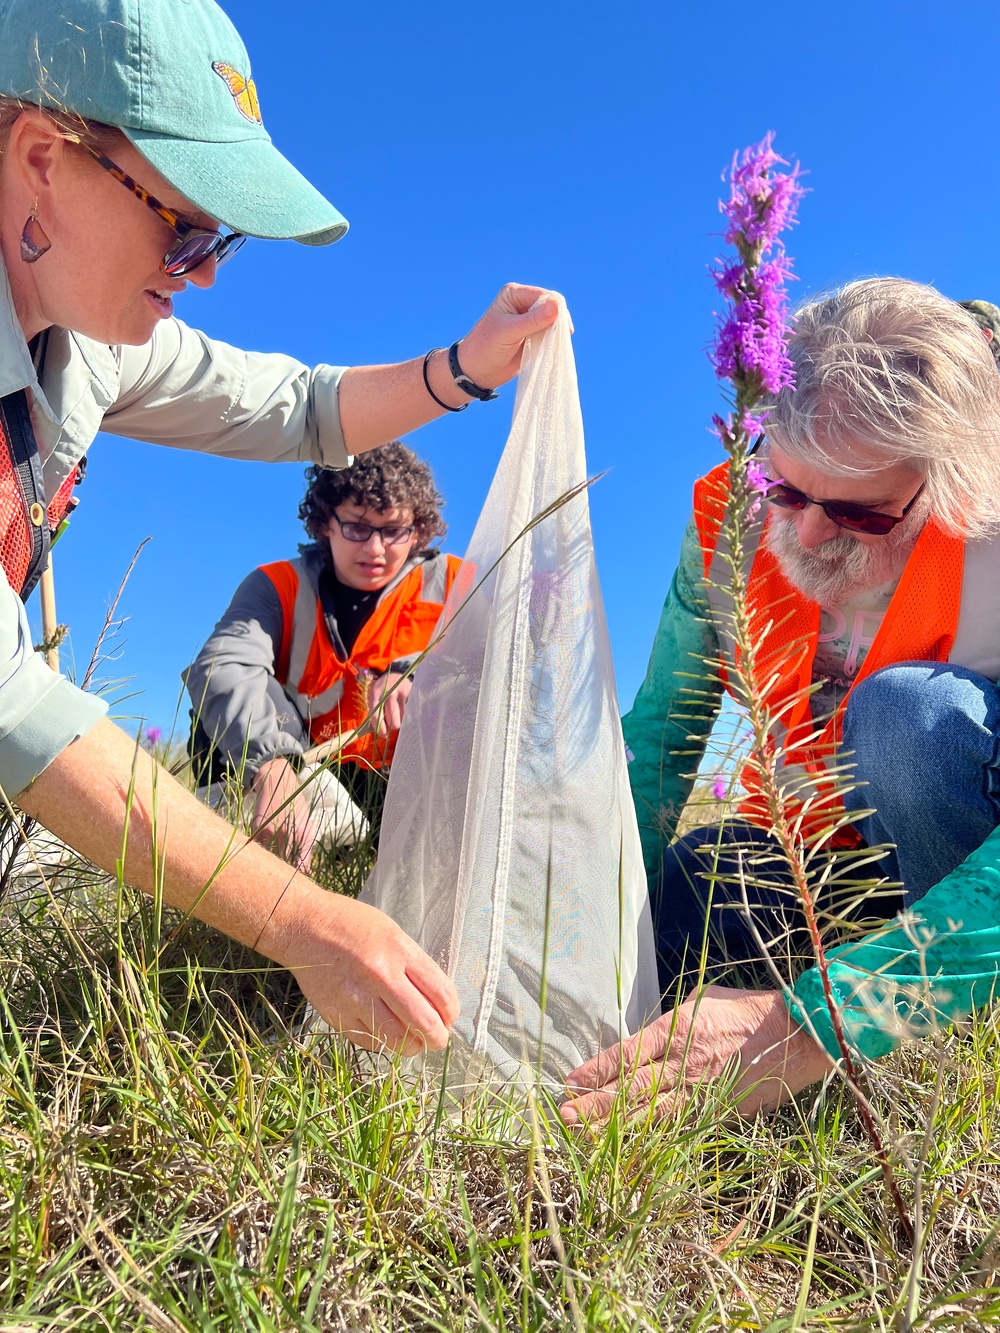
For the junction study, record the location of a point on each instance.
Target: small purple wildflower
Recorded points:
(750, 341)
(153, 735)
(754, 424)
(759, 482)
(757, 478)
(720, 789)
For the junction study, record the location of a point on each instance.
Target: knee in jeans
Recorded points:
(895, 721)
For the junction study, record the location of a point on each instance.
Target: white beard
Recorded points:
(842, 567)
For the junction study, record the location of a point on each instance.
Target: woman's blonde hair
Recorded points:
(73, 126)
(890, 371)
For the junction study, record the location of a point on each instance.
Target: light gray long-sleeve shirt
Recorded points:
(181, 389)
(243, 711)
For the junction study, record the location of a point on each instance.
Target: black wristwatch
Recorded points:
(463, 381)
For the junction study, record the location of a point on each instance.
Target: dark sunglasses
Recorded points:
(194, 245)
(392, 535)
(856, 518)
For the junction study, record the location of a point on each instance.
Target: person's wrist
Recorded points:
(771, 1018)
(440, 379)
(275, 769)
(806, 1053)
(465, 382)
(290, 928)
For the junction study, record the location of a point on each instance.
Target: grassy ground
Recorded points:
(173, 1158)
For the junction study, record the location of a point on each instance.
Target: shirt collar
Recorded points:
(16, 369)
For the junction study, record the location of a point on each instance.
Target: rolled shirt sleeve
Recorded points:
(40, 712)
(189, 391)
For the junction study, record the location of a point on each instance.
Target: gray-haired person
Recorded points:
(874, 580)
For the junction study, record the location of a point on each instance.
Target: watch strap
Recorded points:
(462, 380)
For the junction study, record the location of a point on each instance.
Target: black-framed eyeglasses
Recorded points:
(856, 518)
(392, 534)
(194, 245)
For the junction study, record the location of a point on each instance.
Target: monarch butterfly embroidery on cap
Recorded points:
(244, 91)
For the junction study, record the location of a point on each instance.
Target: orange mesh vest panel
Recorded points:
(919, 625)
(402, 624)
(25, 522)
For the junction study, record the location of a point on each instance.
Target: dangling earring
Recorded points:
(34, 242)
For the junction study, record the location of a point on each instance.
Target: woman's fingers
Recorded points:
(363, 974)
(539, 317)
(603, 1068)
(491, 351)
(715, 1034)
(387, 702)
(525, 310)
(435, 985)
(517, 297)
(417, 1023)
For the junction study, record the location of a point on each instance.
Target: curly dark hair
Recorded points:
(392, 477)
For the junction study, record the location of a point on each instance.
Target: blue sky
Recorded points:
(575, 145)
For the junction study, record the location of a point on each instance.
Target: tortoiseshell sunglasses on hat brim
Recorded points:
(194, 245)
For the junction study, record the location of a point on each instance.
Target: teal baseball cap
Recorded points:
(174, 77)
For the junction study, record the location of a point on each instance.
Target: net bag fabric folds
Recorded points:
(509, 847)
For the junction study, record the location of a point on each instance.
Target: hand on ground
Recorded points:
(490, 354)
(362, 973)
(717, 1031)
(282, 814)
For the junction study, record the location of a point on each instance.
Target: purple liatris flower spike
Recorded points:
(720, 789)
(153, 735)
(750, 347)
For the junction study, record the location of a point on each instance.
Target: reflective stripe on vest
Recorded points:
(934, 610)
(304, 629)
(435, 583)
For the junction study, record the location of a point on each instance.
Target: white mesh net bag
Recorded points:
(509, 844)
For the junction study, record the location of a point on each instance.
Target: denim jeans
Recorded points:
(924, 739)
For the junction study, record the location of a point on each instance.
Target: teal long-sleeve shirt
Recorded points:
(933, 964)
(667, 728)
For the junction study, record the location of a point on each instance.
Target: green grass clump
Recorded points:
(173, 1157)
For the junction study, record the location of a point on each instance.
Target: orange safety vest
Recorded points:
(331, 693)
(920, 624)
(27, 525)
